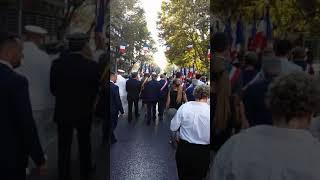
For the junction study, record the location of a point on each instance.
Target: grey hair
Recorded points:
(201, 92)
(293, 95)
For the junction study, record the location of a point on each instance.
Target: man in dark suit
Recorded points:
(115, 104)
(74, 82)
(18, 132)
(133, 87)
(151, 93)
(164, 84)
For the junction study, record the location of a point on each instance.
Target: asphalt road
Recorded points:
(142, 152)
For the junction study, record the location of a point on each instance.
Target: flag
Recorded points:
(228, 30)
(145, 48)
(251, 43)
(168, 48)
(141, 67)
(239, 34)
(145, 68)
(268, 25)
(184, 71)
(122, 49)
(100, 15)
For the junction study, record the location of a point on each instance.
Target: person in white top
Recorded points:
(121, 83)
(36, 68)
(286, 150)
(192, 120)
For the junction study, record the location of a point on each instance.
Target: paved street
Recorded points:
(142, 152)
(99, 155)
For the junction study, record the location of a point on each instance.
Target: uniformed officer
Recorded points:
(36, 68)
(74, 83)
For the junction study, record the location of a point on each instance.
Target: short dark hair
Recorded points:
(220, 42)
(251, 58)
(7, 37)
(134, 74)
(282, 47)
(198, 76)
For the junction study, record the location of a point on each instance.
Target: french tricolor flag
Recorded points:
(145, 48)
(122, 49)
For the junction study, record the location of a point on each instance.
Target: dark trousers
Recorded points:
(16, 174)
(114, 121)
(136, 108)
(161, 106)
(192, 160)
(65, 135)
(151, 111)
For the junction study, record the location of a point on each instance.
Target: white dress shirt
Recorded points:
(269, 153)
(36, 68)
(121, 83)
(193, 119)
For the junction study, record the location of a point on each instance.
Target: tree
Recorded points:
(183, 23)
(287, 15)
(129, 27)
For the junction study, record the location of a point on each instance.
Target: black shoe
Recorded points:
(148, 123)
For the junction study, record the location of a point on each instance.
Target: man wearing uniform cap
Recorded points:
(36, 68)
(74, 83)
(121, 83)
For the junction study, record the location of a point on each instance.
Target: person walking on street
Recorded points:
(192, 121)
(115, 105)
(164, 83)
(150, 94)
(190, 89)
(18, 131)
(36, 68)
(74, 83)
(133, 86)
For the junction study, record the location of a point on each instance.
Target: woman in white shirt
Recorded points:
(192, 120)
(284, 151)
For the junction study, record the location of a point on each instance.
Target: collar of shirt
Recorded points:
(112, 81)
(6, 63)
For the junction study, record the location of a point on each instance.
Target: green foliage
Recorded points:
(182, 23)
(288, 16)
(128, 20)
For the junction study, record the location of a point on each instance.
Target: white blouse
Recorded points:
(193, 119)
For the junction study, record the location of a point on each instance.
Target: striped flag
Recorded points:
(228, 30)
(145, 48)
(122, 49)
(100, 15)
(239, 34)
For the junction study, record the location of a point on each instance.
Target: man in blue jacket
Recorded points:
(151, 93)
(18, 133)
(115, 104)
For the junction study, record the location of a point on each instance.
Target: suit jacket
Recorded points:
(133, 87)
(151, 91)
(165, 84)
(115, 101)
(18, 133)
(74, 82)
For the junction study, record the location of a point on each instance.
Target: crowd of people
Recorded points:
(41, 94)
(263, 105)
